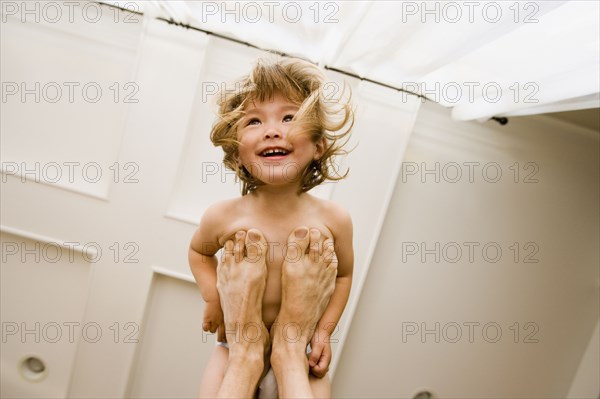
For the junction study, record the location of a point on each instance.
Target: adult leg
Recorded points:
(241, 278)
(308, 280)
(214, 373)
(321, 387)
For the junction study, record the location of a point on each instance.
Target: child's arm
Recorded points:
(203, 263)
(320, 356)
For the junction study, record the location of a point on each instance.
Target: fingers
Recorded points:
(322, 367)
(209, 326)
(315, 355)
(221, 337)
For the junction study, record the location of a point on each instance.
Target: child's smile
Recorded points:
(268, 148)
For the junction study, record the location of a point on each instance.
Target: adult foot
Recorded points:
(241, 278)
(308, 280)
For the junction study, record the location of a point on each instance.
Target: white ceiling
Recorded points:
(483, 59)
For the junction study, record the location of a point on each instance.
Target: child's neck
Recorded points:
(277, 198)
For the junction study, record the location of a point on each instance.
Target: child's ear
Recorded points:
(320, 148)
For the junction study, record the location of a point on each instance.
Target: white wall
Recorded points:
(153, 302)
(556, 217)
(118, 314)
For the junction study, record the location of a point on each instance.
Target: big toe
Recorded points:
(297, 243)
(256, 246)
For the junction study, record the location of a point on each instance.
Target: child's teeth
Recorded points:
(274, 151)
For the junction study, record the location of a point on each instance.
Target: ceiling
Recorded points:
(482, 59)
(589, 118)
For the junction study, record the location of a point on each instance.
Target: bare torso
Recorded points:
(276, 225)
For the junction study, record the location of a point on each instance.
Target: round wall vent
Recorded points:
(32, 368)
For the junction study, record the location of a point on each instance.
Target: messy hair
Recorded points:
(321, 116)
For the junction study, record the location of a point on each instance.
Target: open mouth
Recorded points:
(274, 152)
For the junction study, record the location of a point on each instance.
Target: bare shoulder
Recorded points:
(337, 217)
(215, 213)
(214, 221)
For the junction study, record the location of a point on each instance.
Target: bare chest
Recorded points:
(276, 229)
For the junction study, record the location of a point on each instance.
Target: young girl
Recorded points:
(279, 133)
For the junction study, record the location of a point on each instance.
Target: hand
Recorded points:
(213, 320)
(320, 357)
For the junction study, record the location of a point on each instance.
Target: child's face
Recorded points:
(268, 149)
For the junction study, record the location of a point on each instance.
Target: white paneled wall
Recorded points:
(135, 172)
(442, 309)
(164, 368)
(121, 294)
(40, 319)
(62, 75)
(200, 163)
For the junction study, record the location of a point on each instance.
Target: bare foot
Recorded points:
(308, 280)
(241, 278)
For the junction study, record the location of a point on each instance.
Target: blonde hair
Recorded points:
(302, 83)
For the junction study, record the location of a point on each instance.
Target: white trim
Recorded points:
(358, 285)
(88, 253)
(173, 274)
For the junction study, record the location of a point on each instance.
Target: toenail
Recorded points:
(301, 233)
(239, 234)
(315, 232)
(254, 236)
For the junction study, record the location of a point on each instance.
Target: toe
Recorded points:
(256, 246)
(333, 265)
(228, 251)
(315, 245)
(297, 244)
(328, 252)
(239, 245)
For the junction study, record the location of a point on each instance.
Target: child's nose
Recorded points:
(272, 133)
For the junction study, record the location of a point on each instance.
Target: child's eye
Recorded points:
(253, 121)
(288, 118)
